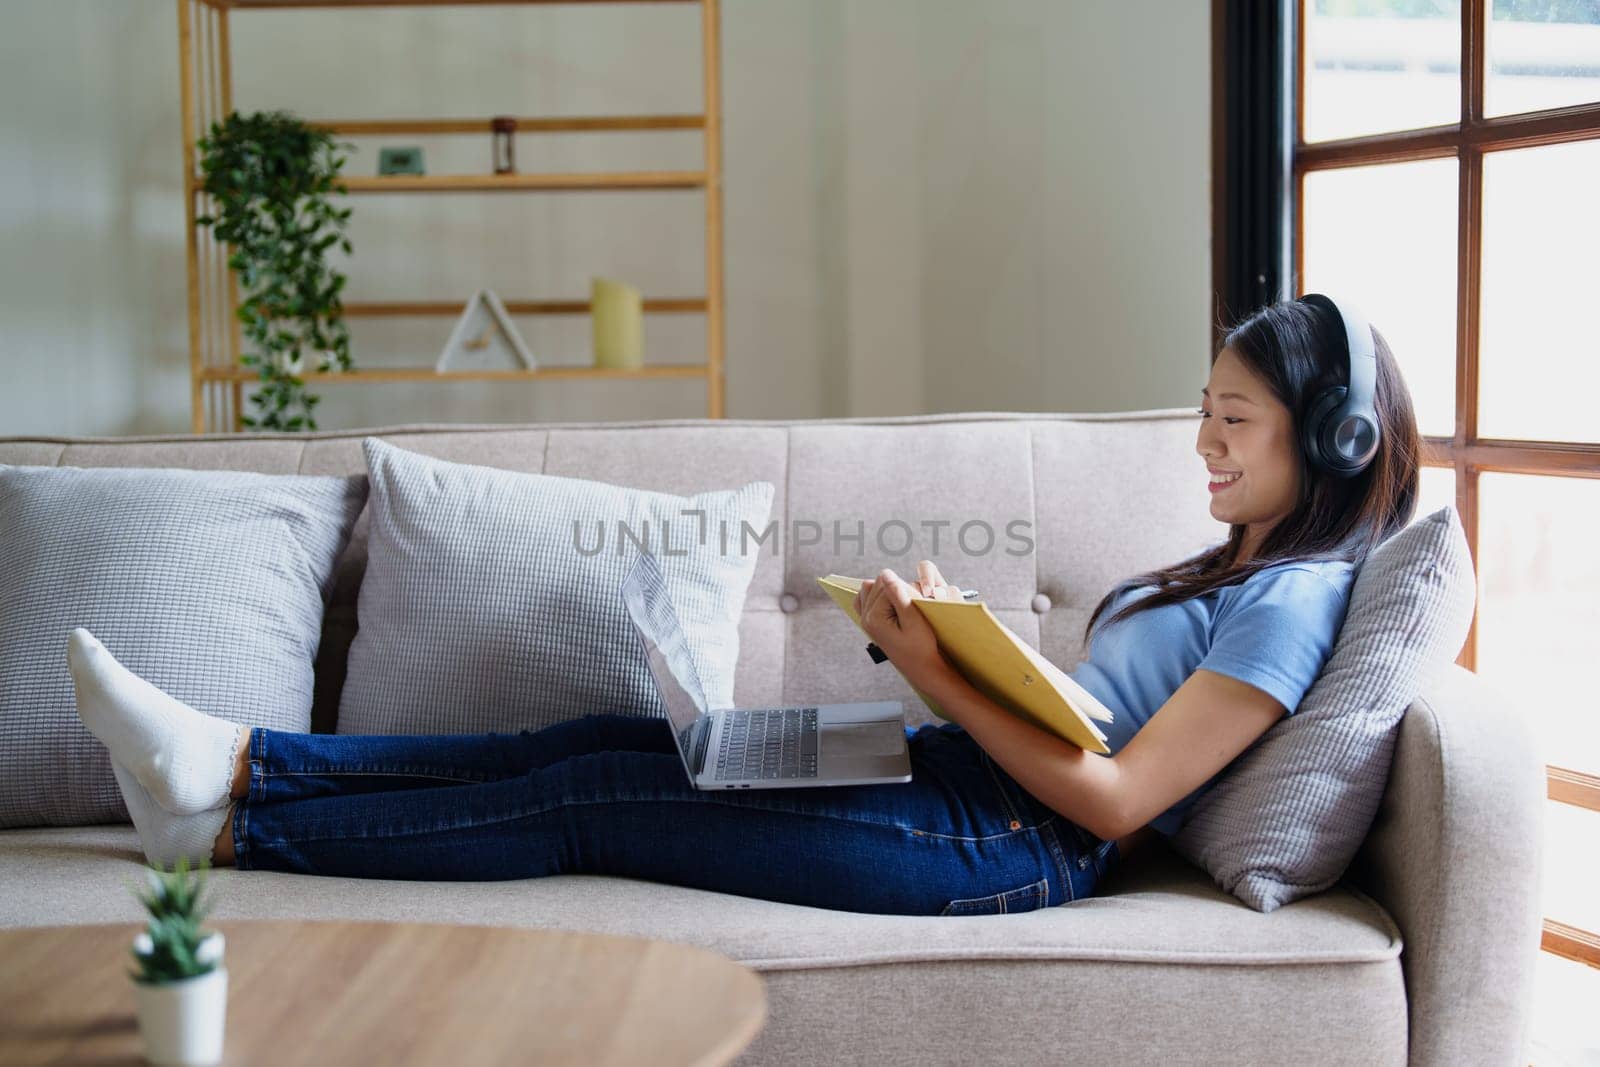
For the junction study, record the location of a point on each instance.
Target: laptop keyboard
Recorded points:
(751, 745)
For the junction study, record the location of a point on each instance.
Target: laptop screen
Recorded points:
(666, 651)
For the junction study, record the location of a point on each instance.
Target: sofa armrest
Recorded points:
(1455, 855)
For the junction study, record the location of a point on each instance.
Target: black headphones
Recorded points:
(1340, 433)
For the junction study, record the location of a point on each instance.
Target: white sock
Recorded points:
(166, 836)
(184, 758)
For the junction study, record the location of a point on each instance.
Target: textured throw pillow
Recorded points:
(209, 584)
(491, 600)
(1290, 813)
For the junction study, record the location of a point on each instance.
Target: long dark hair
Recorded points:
(1293, 347)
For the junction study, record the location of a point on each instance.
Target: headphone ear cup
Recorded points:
(1341, 431)
(1316, 430)
(1325, 424)
(1354, 442)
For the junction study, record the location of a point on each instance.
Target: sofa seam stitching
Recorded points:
(783, 568)
(1033, 507)
(1089, 953)
(1173, 414)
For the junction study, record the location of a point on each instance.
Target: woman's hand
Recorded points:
(932, 584)
(895, 625)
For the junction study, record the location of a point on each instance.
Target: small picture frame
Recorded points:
(407, 160)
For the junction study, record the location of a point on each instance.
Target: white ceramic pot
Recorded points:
(182, 1023)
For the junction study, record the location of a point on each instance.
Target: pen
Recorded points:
(878, 655)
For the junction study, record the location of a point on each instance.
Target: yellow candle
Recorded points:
(617, 313)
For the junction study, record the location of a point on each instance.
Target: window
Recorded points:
(1446, 175)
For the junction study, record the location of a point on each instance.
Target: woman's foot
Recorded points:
(185, 760)
(166, 836)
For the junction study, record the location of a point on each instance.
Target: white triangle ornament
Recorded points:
(484, 338)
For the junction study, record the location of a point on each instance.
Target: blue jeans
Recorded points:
(607, 794)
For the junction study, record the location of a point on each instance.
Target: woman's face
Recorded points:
(1248, 441)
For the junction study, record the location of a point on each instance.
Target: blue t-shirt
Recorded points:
(1274, 630)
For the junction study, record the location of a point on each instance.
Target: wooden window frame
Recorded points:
(1466, 452)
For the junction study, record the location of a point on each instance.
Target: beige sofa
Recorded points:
(1424, 955)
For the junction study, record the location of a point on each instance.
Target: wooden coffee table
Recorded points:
(377, 992)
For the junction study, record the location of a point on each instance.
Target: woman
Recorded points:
(999, 815)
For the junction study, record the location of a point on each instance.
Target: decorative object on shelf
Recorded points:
(616, 312)
(181, 987)
(406, 160)
(271, 176)
(505, 144)
(472, 343)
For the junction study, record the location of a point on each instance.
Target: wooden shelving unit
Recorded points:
(217, 381)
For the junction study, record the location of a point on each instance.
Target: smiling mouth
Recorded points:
(1218, 482)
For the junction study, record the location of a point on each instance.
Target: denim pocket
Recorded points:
(1028, 897)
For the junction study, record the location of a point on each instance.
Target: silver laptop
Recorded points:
(758, 748)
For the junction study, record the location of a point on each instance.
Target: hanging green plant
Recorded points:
(272, 178)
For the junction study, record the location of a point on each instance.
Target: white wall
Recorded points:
(930, 205)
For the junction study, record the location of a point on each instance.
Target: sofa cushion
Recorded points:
(491, 598)
(209, 584)
(1145, 966)
(1288, 815)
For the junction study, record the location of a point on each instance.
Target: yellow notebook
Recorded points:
(1000, 665)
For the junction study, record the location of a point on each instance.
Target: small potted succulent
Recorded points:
(181, 986)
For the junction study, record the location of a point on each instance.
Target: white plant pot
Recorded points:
(182, 1023)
